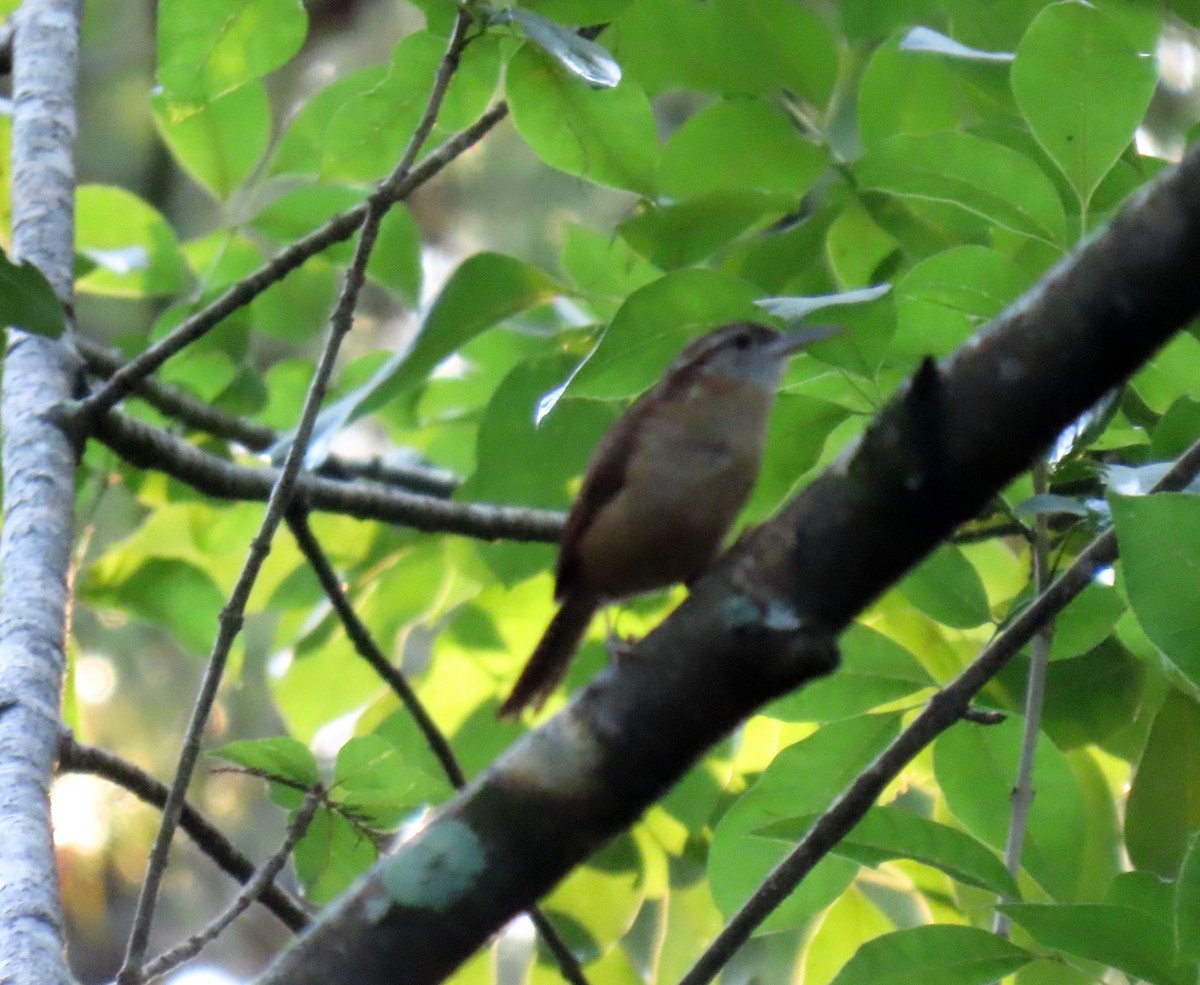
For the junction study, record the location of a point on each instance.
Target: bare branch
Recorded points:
(1035, 696)
(944, 709)
(254, 888)
(436, 739)
(365, 646)
(76, 757)
(233, 614)
(194, 413)
(153, 448)
(337, 229)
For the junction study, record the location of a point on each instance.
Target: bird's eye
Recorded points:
(742, 341)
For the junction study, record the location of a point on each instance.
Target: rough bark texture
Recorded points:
(39, 495)
(755, 626)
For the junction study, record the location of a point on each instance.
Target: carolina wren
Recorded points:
(663, 486)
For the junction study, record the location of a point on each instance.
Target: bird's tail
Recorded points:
(552, 655)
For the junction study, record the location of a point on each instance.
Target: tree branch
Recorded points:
(149, 447)
(364, 646)
(258, 883)
(76, 757)
(761, 622)
(194, 413)
(944, 709)
(233, 614)
(38, 464)
(435, 738)
(337, 229)
(1035, 697)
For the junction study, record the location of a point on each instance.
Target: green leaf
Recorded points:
(1086, 621)
(976, 175)
(1122, 937)
(731, 47)
(177, 596)
(301, 149)
(521, 462)
(396, 259)
(803, 778)
(208, 49)
(796, 436)
(1160, 558)
(597, 903)
(485, 289)
(375, 786)
(905, 92)
(653, 326)
(368, 133)
(1163, 811)
(331, 855)
(769, 47)
(579, 56)
(606, 136)
(297, 308)
(1083, 88)
(1088, 697)
(946, 955)
(580, 12)
(27, 301)
(601, 265)
(220, 143)
(947, 587)
(976, 767)
(277, 756)
(945, 298)
(133, 246)
(887, 833)
(710, 151)
(1187, 904)
(856, 246)
(874, 671)
(680, 234)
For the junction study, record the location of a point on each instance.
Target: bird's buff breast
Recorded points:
(668, 521)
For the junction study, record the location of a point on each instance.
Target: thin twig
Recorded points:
(76, 757)
(335, 230)
(1035, 696)
(944, 709)
(194, 413)
(149, 447)
(437, 740)
(992, 531)
(233, 613)
(364, 645)
(263, 878)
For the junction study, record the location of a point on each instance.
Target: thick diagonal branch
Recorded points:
(761, 623)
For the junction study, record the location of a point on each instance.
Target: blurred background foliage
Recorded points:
(943, 152)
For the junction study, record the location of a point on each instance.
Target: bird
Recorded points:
(663, 486)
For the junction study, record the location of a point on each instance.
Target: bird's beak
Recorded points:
(797, 339)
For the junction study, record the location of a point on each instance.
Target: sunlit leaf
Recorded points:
(982, 177)
(1083, 88)
(205, 50)
(607, 136)
(1160, 557)
(584, 58)
(950, 955)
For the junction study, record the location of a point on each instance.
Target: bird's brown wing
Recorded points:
(603, 479)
